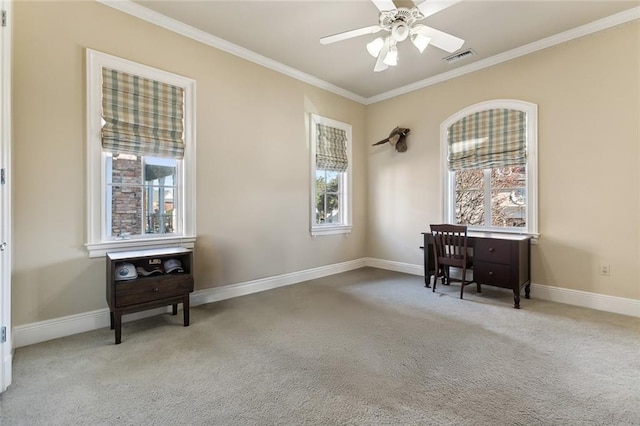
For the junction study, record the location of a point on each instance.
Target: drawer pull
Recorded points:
(491, 250)
(490, 273)
(155, 290)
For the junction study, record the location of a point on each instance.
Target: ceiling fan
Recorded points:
(400, 23)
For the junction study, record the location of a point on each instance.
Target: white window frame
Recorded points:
(98, 243)
(449, 187)
(345, 225)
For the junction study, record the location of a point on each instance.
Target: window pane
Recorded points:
(508, 197)
(126, 210)
(469, 179)
(508, 177)
(508, 208)
(159, 171)
(159, 211)
(470, 197)
(126, 169)
(327, 197)
(321, 189)
(332, 212)
(159, 189)
(470, 207)
(333, 182)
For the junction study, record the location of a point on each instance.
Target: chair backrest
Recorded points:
(450, 244)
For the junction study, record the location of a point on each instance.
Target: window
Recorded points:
(330, 176)
(490, 167)
(141, 156)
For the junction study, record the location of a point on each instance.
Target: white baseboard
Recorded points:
(215, 294)
(390, 265)
(600, 302)
(42, 331)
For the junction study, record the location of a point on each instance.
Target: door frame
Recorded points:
(6, 348)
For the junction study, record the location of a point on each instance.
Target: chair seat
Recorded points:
(456, 261)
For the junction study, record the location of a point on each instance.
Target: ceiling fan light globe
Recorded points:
(420, 42)
(399, 31)
(392, 57)
(374, 47)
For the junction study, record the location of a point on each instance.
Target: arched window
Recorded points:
(489, 158)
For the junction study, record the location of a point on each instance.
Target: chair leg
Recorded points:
(435, 278)
(478, 288)
(464, 277)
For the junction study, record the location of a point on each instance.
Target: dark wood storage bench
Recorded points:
(147, 292)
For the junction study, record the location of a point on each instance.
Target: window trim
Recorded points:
(98, 244)
(448, 180)
(346, 180)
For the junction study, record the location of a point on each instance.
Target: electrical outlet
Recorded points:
(604, 269)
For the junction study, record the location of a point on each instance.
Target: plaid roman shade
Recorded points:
(487, 139)
(142, 116)
(331, 149)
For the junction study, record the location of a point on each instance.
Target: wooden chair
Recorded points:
(450, 250)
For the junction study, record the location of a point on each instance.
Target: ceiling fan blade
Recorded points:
(431, 7)
(439, 39)
(380, 65)
(350, 34)
(384, 5)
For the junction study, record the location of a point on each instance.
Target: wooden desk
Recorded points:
(500, 260)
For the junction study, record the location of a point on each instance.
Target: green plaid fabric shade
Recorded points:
(331, 149)
(487, 139)
(142, 117)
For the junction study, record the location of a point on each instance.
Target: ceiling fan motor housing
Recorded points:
(399, 21)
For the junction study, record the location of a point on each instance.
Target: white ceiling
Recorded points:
(288, 33)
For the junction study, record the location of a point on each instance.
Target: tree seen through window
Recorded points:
(327, 197)
(496, 196)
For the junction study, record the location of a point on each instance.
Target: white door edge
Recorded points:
(6, 348)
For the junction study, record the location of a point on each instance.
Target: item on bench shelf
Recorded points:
(125, 271)
(172, 265)
(150, 267)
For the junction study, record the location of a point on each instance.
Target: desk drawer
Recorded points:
(490, 250)
(492, 273)
(150, 289)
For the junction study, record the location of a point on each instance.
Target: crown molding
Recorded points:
(141, 12)
(581, 31)
(178, 27)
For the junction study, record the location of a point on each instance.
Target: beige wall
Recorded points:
(252, 167)
(588, 97)
(253, 159)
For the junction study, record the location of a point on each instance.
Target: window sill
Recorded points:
(331, 230)
(102, 248)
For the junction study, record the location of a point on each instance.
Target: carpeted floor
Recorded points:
(367, 347)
